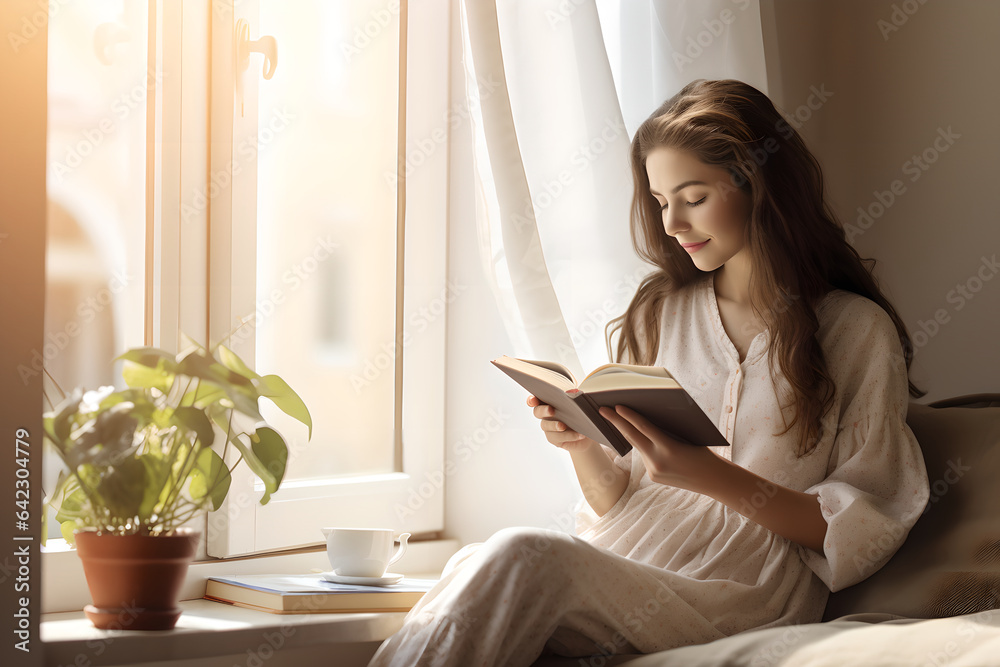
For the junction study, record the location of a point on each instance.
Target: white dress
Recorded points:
(666, 567)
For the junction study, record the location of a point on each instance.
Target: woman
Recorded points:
(774, 324)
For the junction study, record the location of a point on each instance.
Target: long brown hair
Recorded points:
(798, 249)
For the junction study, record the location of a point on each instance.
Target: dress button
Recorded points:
(729, 408)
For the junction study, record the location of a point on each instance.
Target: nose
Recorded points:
(674, 221)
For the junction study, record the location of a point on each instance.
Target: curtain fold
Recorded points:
(510, 244)
(556, 90)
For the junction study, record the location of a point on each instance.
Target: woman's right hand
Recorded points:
(556, 432)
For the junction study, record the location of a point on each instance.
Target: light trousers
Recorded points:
(525, 590)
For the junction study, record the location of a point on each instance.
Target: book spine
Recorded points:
(587, 404)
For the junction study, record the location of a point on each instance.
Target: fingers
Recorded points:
(553, 425)
(544, 411)
(641, 424)
(621, 418)
(556, 432)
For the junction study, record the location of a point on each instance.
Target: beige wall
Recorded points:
(894, 93)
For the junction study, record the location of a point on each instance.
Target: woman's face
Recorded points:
(701, 208)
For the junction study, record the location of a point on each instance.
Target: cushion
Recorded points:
(950, 562)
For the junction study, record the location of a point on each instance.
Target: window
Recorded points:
(280, 215)
(340, 260)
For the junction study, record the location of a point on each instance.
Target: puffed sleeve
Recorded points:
(876, 486)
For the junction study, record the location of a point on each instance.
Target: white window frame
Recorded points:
(411, 498)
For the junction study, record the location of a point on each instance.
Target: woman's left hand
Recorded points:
(668, 460)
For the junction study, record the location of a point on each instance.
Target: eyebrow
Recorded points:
(679, 187)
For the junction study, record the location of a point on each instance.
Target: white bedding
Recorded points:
(972, 640)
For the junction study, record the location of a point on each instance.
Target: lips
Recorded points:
(694, 247)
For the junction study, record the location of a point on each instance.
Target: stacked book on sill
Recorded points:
(311, 594)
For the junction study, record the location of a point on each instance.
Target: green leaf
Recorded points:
(73, 506)
(258, 467)
(276, 389)
(140, 375)
(200, 364)
(232, 361)
(206, 394)
(156, 489)
(240, 390)
(61, 424)
(122, 488)
(195, 419)
(67, 528)
(270, 448)
(151, 357)
(210, 477)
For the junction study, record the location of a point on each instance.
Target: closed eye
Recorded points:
(692, 204)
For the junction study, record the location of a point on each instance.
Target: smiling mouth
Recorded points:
(694, 247)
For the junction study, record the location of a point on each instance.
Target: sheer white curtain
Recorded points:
(556, 89)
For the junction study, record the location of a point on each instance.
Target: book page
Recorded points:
(549, 372)
(555, 367)
(627, 380)
(635, 369)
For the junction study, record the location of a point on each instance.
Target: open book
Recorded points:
(651, 391)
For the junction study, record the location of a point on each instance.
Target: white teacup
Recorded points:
(362, 552)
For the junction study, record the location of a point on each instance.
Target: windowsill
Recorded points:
(215, 633)
(64, 586)
(211, 633)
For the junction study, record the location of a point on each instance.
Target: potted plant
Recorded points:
(142, 461)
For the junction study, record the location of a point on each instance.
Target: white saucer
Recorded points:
(385, 580)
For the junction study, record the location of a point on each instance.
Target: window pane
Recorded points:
(98, 82)
(326, 226)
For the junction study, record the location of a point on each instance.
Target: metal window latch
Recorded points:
(266, 46)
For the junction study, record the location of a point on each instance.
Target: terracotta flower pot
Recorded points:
(134, 580)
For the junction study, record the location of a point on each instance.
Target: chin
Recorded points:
(706, 265)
